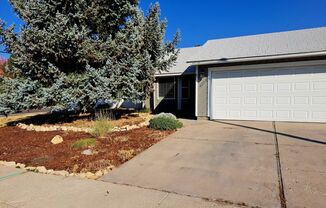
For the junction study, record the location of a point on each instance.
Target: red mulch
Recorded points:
(35, 148)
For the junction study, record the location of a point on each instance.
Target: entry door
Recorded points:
(279, 94)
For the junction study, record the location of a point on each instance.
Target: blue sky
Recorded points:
(199, 21)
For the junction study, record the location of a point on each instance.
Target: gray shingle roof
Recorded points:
(264, 45)
(181, 66)
(272, 44)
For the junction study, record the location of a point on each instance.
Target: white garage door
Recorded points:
(279, 94)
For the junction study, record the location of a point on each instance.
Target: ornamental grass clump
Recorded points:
(83, 143)
(102, 127)
(165, 121)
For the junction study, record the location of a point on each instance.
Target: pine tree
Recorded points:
(75, 53)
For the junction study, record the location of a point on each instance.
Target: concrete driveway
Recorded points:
(236, 163)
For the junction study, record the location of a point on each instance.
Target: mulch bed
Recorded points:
(35, 148)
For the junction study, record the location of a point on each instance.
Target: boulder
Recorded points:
(57, 139)
(87, 152)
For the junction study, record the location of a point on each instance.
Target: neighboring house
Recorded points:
(278, 76)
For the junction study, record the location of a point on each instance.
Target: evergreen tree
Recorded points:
(75, 53)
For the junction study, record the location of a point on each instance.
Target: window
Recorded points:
(185, 88)
(166, 88)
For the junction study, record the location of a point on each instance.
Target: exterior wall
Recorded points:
(202, 97)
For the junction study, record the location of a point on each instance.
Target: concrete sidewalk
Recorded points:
(26, 189)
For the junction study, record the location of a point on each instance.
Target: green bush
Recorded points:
(164, 123)
(82, 143)
(102, 127)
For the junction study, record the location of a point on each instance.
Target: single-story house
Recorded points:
(269, 77)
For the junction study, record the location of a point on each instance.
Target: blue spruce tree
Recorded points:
(75, 53)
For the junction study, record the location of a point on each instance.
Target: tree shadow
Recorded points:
(272, 132)
(49, 118)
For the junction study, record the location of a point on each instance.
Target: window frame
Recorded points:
(158, 88)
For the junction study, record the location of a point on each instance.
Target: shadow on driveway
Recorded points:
(272, 132)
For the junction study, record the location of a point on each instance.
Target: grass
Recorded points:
(102, 127)
(83, 143)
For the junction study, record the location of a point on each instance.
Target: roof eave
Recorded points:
(167, 74)
(256, 58)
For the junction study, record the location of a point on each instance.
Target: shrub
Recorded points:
(164, 123)
(167, 115)
(102, 127)
(82, 143)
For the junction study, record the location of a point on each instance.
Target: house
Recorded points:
(268, 77)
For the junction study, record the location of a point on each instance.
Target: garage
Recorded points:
(268, 92)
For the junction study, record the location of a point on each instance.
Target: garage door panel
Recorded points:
(235, 87)
(235, 101)
(284, 87)
(321, 100)
(301, 115)
(319, 115)
(295, 94)
(235, 113)
(251, 87)
(266, 114)
(319, 85)
(301, 100)
(301, 86)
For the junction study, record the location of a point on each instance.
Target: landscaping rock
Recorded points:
(82, 175)
(10, 164)
(87, 152)
(30, 168)
(50, 171)
(57, 139)
(61, 173)
(41, 169)
(90, 175)
(20, 165)
(99, 173)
